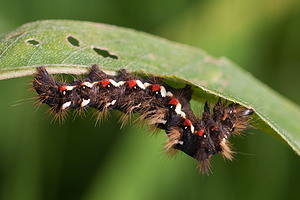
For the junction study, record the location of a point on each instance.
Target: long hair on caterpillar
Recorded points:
(157, 103)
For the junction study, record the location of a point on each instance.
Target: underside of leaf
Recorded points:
(71, 47)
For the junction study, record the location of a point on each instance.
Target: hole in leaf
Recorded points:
(73, 41)
(33, 42)
(105, 53)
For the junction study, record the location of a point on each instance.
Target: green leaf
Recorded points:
(72, 47)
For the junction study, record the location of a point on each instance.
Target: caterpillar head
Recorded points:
(58, 96)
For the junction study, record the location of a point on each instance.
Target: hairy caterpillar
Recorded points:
(157, 103)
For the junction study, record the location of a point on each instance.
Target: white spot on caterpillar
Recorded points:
(163, 91)
(147, 84)
(192, 128)
(178, 109)
(246, 112)
(69, 88)
(111, 103)
(121, 83)
(163, 121)
(182, 114)
(169, 94)
(66, 105)
(85, 102)
(178, 142)
(114, 83)
(140, 84)
(88, 84)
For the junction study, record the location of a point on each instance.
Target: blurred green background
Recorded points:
(78, 160)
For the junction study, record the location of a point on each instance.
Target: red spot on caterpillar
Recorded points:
(174, 101)
(200, 132)
(105, 82)
(155, 87)
(131, 83)
(187, 122)
(62, 88)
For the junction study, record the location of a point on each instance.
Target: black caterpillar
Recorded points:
(157, 103)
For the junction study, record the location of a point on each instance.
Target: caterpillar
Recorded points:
(157, 103)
